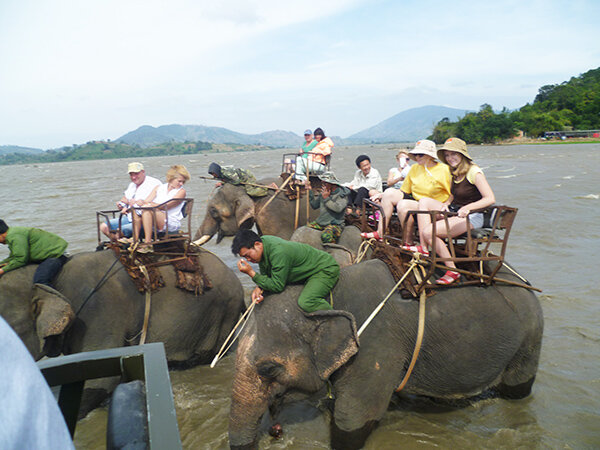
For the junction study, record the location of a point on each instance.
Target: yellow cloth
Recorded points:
(433, 182)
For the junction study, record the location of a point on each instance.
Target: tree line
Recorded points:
(571, 105)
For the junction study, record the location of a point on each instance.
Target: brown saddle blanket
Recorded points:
(189, 273)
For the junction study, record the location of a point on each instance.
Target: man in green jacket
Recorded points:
(331, 202)
(32, 245)
(283, 262)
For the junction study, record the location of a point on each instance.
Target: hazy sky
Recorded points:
(73, 71)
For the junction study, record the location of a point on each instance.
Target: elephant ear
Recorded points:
(244, 210)
(334, 340)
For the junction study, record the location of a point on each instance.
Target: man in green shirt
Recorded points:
(32, 245)
(283, 262)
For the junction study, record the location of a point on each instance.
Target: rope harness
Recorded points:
(243, 320)
(415, 262)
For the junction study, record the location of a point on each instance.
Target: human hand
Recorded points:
(257, 295)
(325, 191)
(307, 184)
(244, 267)
(463, 212)
(218, 184)
(376, 197)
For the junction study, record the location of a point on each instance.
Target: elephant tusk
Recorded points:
(203, 240)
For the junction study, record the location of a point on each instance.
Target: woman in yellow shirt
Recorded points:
(428, 178)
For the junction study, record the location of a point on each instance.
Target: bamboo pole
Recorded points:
(297, 207)
(285, 183)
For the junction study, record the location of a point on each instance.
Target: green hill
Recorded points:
(147, 135)
(571, 105)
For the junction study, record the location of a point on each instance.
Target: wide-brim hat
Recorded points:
(329, 177)
(423, 147)
(453, 144)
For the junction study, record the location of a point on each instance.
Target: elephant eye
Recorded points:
(269, 370)
(214, 213)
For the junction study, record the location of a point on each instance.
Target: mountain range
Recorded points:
(407, 126)
(8, 149)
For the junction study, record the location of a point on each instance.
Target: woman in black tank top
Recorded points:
(470, 191)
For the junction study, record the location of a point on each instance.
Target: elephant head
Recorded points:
(228, 210)
(285, 351)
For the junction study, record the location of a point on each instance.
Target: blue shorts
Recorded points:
(126, 226)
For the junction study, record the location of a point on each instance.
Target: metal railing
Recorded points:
(142, 362)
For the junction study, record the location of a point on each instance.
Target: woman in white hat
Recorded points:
(428, 178)
(470, 191)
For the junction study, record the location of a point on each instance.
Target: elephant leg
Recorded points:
(518, 377)
(359, 407)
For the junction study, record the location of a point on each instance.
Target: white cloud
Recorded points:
(105, 67)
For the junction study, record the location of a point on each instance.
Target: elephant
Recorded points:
(477, 339)
(344, 252)
(230, 208)
(109, 312)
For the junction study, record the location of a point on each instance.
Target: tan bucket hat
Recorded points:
(424, 147)
(453, 144)
(329, 177)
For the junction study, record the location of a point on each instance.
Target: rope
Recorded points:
(363, 249)
(515, 273)
(413, 264)
(224, 349)
(102, 280)
(148, 303)
(341, 247)
(420, 332)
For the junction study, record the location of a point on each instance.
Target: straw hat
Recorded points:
(329, 177)
(453, 144)
(423, 147)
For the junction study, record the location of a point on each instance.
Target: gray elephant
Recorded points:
(230, 208)
(109, 312)
(344, 252)
(476, 339)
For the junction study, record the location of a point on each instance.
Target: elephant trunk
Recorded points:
(249, 401)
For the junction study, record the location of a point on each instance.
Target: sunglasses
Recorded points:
(418, 155)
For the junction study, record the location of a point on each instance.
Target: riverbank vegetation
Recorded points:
(572, 105)
(112, 150)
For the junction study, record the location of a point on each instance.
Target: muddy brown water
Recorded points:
(555, 243)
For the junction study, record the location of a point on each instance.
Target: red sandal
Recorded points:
(373, 235)
(416, 249)
(448, 278)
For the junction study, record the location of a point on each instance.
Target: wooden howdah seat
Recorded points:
(181, 236)
(471, 252)
(288, 161)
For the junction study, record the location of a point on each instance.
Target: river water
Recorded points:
(554, 243)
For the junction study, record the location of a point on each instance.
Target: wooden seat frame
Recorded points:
(467, 249)
(158, 237)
